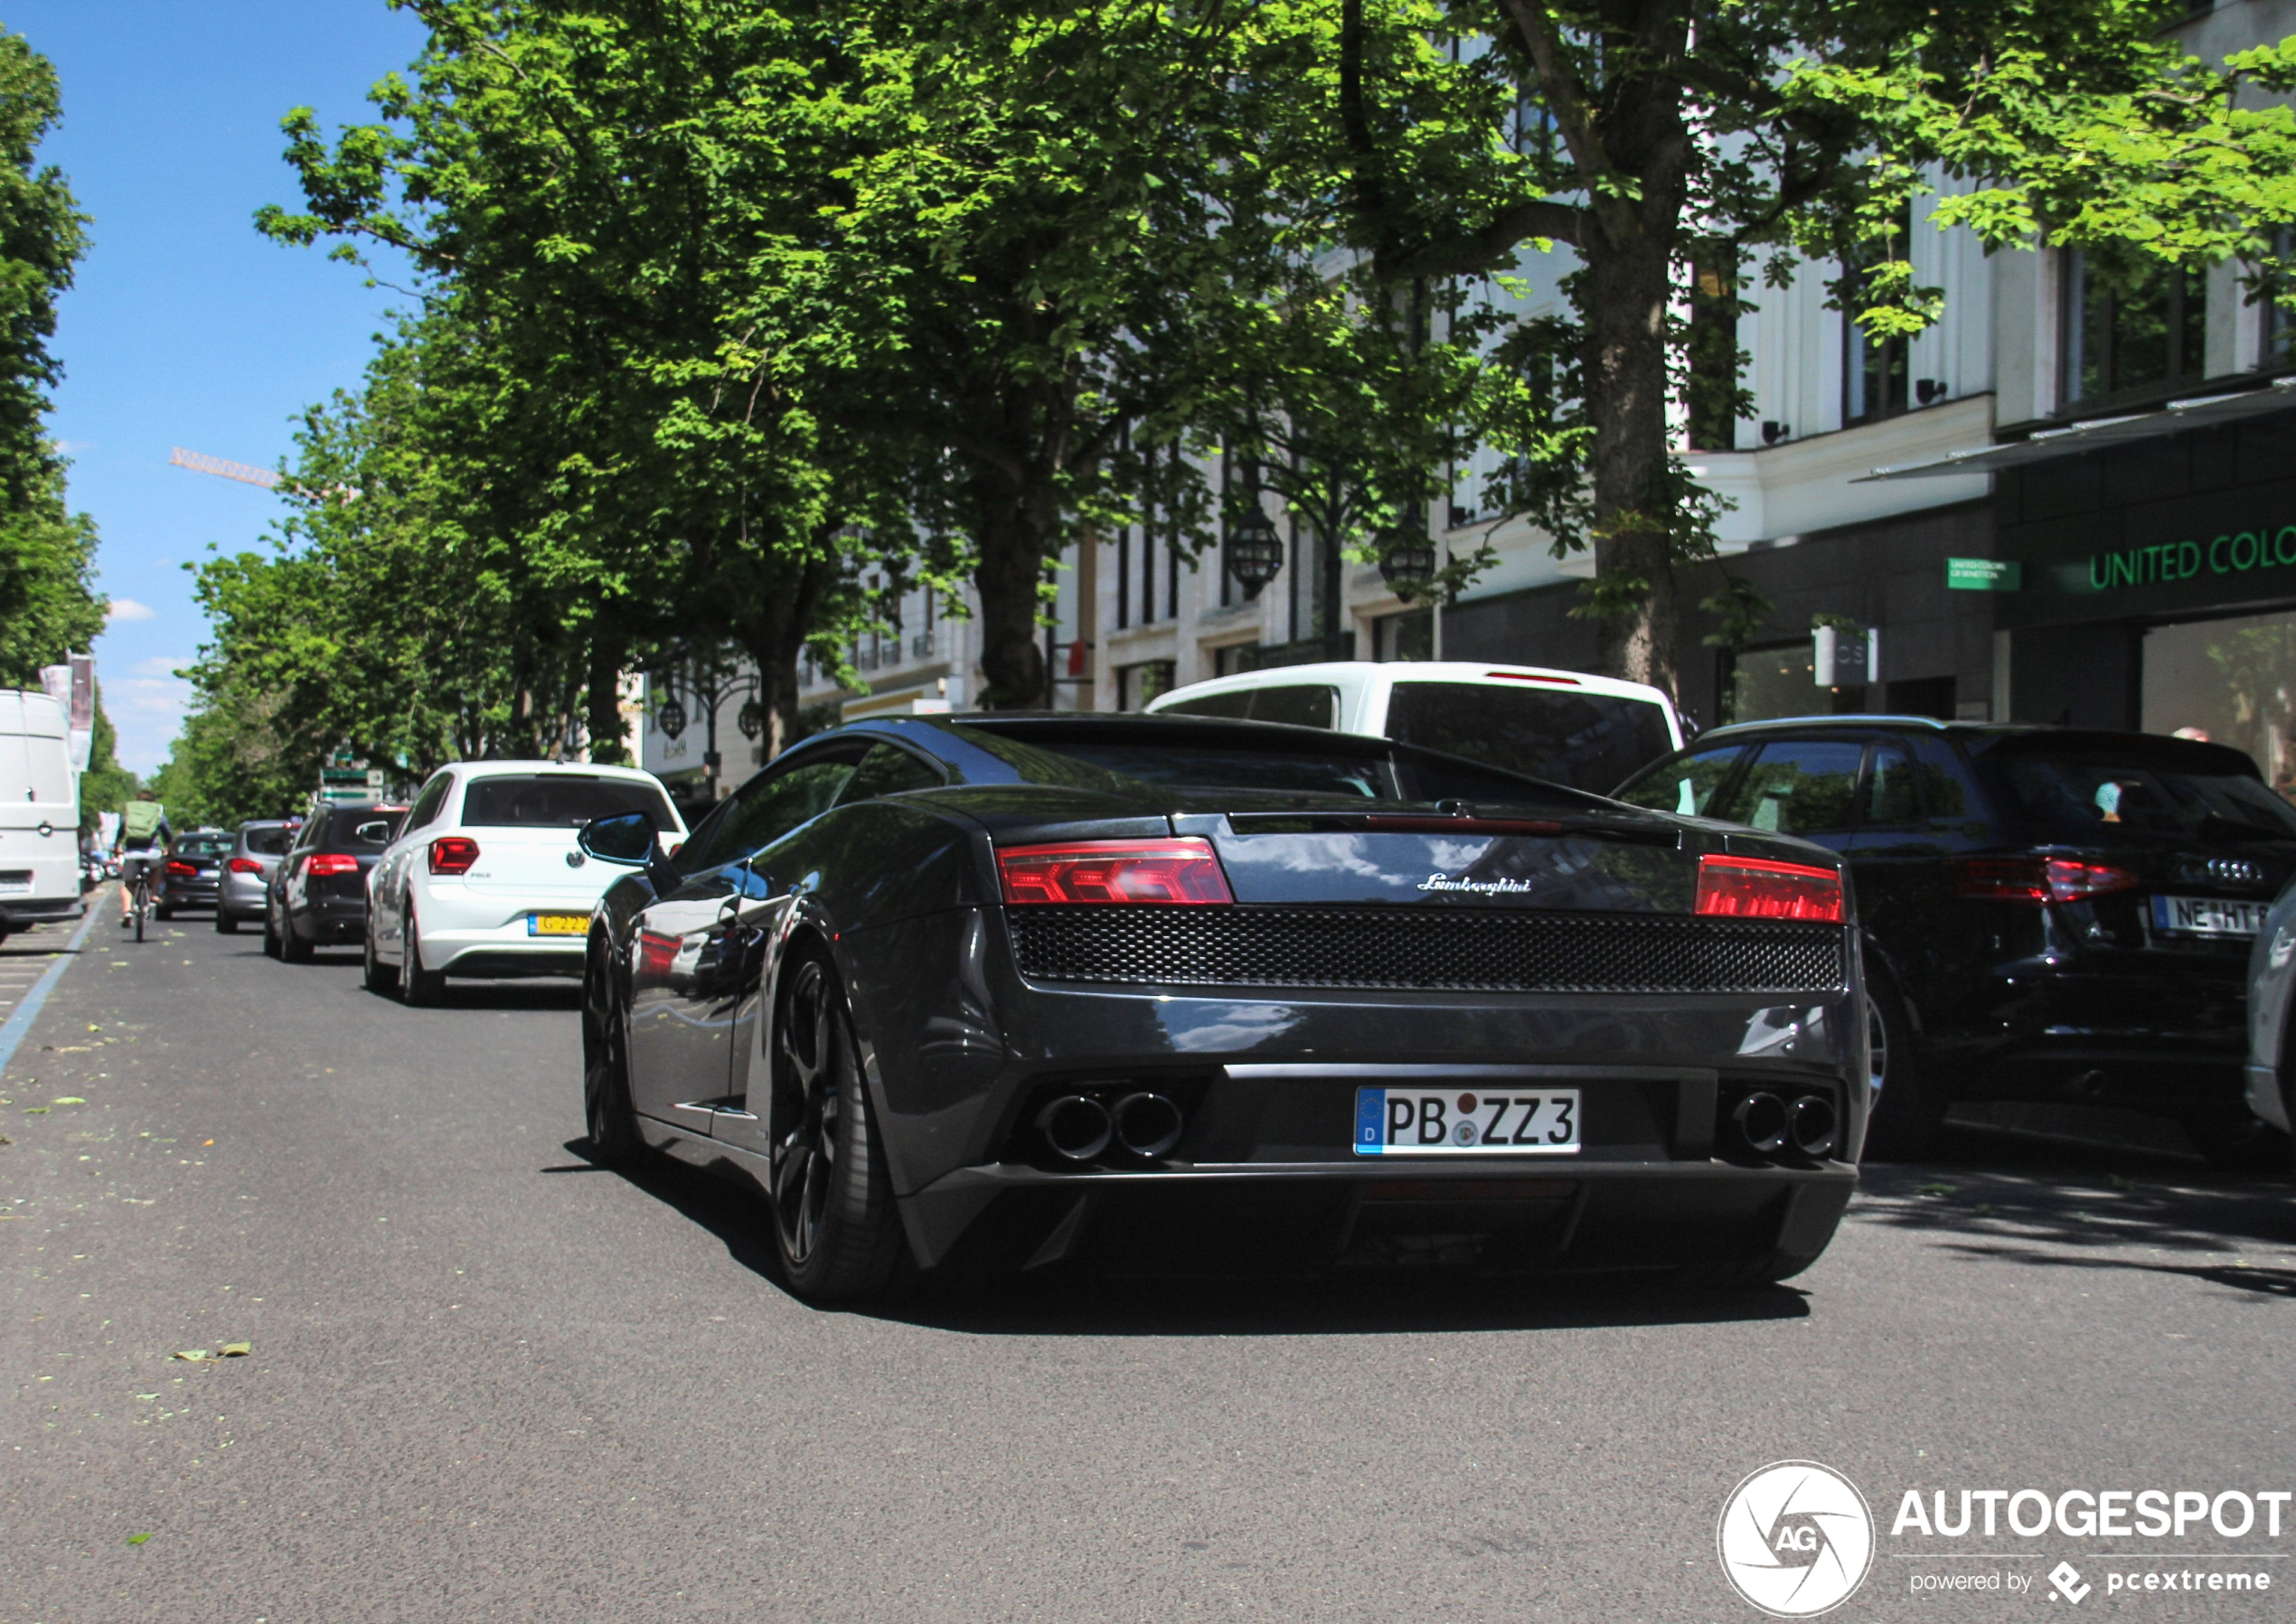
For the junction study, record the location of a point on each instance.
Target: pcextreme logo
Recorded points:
(1796, 1539)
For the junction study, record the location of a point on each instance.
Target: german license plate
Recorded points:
(558, 924)
(2207, 917)
(16, 884)
(1459, 1121)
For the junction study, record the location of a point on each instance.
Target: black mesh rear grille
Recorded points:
(1451, 948)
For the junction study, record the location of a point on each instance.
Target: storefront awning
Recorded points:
(2202, 411)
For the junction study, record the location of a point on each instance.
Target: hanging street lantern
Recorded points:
(752, 719)
(1254, 551)
(672, 717)
(1408, 559)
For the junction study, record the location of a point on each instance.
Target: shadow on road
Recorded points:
(511, 992)
(2057, 1202)
(1054, 1303)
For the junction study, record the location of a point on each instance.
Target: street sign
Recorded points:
(1983, 575)
(1845, 657)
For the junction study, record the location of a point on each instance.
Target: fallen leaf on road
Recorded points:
(1937, 1189)
(70, 1099)
(205, 1142)
(35, 1110)
(194, 1354)
(137, 1539)
(235, 1350)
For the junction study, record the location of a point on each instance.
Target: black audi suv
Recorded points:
(2046, 915)
(318, 897)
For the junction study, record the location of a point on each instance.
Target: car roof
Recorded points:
(580, 769)
(1355, 674)
(1869, 724)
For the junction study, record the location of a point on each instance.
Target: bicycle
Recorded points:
(143, 905)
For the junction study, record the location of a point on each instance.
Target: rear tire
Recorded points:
(2236, 1140)
(379, 978)
(270, 934)
(165, 912)
(293, 948)
(607, 1108)
(225, 925)
(834, 1224)
(1908, 1112)
(422, 989)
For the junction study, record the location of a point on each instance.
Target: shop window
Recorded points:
(2231, 682)
(2131, 331)
(1765, 683)
(1138, 684)
(1410, 636)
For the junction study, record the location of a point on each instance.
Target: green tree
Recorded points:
(48, 603)
(1658, 139)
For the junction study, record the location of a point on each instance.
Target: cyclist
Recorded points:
(143, 840)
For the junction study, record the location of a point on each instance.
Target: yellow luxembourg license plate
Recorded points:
(558, 924)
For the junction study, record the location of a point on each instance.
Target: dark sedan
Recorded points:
(318, 897)
(1145, 992)
(193, 873)
(2049, 915)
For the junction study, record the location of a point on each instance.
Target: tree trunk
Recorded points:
(1637, 617)
(1013, 536)
(602, 720)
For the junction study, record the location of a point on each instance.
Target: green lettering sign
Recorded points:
(2235, 552)
(1984, 575)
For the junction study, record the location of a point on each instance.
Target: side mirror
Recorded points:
(626, 839)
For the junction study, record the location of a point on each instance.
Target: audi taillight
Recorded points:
(2039, 881)
(245, 864)
(323, 863)
(453, 854)
(1173, 872)
(1754, 887)
(181, 868)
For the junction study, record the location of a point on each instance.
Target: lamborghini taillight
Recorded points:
(1171, 872)
(1754, 887)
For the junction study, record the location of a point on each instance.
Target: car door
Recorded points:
(388, 886)
(683, 986)
(754, 930)
(1903, 858)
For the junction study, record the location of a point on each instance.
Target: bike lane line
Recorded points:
(17, 1025)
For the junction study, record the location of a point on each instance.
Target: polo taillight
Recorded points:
(1173, 872)
(2039, 881)
(1754, 887)
(245, 864)
(323, 863)
(453, 854)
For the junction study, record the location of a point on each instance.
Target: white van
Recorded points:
(38, 814)
(1568, 727)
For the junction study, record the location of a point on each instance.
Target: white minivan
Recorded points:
(39, 813)
(1567, 727)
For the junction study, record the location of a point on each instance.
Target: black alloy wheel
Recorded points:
(839, 1235)
(422, 989)
(226, 923)
(293, 948)
(607, 1108)
(270, 930)
(378, 976)
(1906, 1111)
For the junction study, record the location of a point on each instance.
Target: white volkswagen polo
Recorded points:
(485, 878)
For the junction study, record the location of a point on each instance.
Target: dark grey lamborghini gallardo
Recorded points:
(1159, 993)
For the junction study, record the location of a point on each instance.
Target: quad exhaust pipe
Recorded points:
(1815, 1126)
(1079, 1129)
(1764, 1122)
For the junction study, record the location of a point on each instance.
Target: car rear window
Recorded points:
(1192, 755)
(558, 801)
(1588, 741)
(2088, 796)
(1302, 704)
(350, 820)
(269, 842)
(204, 845)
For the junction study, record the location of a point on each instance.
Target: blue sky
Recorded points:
(186, 327)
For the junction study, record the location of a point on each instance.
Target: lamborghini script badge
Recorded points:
(1483, 888)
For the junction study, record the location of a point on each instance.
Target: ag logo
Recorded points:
(1796, 1539)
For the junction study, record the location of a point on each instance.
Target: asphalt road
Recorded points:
(489, 1382)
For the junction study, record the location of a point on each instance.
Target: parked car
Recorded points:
(1152, 990)
(193, 871)
(1567, 727)
(486, 879)
(38, 814)
(318, 895)
(254, 858)
(2048, 915)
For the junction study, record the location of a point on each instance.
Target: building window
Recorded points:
(2133, 332)
(1410, 636)
(1713, 347)
(1876, 372)
(1138, 684)
(1234, 659)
